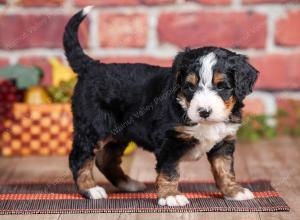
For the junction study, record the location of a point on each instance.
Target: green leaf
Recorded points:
(24, 76)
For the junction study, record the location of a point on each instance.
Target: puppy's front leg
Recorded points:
(168, 175)
(221, 160)
(168, 193)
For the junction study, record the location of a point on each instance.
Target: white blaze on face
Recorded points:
(205, 97)
(206, 71)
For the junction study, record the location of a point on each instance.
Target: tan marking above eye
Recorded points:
(218, 77)
(192, 78)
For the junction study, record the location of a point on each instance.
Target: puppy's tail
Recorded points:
(77, 59)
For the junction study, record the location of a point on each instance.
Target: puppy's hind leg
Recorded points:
(81, 161)
(108, 161)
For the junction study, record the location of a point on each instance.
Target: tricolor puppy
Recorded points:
(179, 113)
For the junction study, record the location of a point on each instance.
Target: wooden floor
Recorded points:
(277, 160)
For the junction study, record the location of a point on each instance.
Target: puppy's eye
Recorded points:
(190, 87)
(221, 86)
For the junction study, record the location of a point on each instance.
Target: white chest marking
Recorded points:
(209, 135)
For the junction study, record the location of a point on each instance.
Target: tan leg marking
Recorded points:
(166, 186)
(224, 175)
(85, 179)
(222, 168)
(168, 192)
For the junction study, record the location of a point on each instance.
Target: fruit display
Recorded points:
(33, 118)
(24, 76)
(60, 72)
(43, 130)
(63, 82)
(36, 95)
(36, 119)
(63, 92)
(8, 96)
(28, 78)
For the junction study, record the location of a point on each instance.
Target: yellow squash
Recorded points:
(60, 72)
(36, 95)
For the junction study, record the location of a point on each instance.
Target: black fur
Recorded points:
(75, 55)
(225, 147)
(138, 101)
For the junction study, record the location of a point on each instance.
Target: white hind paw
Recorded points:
(96, 192)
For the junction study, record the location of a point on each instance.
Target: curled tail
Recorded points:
(77, 59)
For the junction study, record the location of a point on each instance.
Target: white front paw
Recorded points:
(178, 200)
(245, 195)
(96, 192)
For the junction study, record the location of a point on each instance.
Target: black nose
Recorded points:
(204, 113)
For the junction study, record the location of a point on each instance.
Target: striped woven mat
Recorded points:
(38, 198)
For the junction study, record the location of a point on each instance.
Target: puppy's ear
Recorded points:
(177, 62)
(177, 65)
(245, 76)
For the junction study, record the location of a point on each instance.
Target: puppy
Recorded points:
(179, 113)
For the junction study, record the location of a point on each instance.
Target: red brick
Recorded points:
(121, 2)
(254, 106)
(106, 2)
(235, 29)
(38, 3)
(212, 2)
(3, 62)
(288, 105)
(42, 63)
(29, 31)
(288, 30)
(123, 30)
(278, 71)
(156, 2)
(141, 59)
(268, 1)
(292, 108)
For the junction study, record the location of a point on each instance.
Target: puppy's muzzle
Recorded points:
(204, 112)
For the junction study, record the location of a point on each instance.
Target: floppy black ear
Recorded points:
(177, 62)
(177, 65)
(245, 76)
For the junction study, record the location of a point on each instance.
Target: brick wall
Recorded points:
(152, 31)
